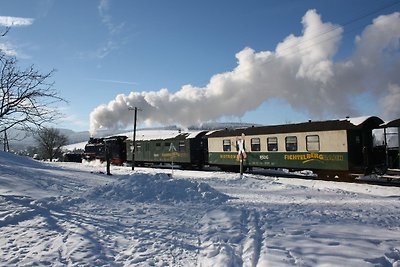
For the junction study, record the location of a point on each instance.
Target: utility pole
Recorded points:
(5, 142)
(398, 146)
(134, 136)
(108, 157)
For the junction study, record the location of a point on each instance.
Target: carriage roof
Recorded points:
(371, 122)
(147, 135)
(393, 123)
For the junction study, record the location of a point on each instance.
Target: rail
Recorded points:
(391, 174)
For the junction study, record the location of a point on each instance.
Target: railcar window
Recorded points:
(272, 144)
(291, 143)
(158, 146)
(167, 146)
(138, 147)
(182, 146)
(226, 145)
(255, 144)
(312, 142)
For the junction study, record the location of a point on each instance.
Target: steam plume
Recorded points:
(300, 71)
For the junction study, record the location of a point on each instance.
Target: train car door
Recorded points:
(355, 149)
(360, 152)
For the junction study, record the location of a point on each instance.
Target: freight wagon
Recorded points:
(189, 150)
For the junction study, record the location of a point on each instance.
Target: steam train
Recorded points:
(333, 148)
(99, 148)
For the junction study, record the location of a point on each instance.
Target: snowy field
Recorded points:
(70, 214)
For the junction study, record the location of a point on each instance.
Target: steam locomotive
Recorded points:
(96, 148)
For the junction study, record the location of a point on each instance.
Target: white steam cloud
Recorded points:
(300, 71)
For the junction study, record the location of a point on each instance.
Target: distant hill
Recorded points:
(20, 140)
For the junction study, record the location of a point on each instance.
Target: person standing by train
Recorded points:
(240, 147)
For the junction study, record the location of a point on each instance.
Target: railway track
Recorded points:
(382, 180)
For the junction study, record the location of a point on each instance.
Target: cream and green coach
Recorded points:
(343, 146)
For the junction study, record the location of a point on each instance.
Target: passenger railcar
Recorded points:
(72, 157)
(185, 149)
(335, 147)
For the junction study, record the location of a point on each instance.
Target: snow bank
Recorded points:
(70, 214)
(11, 160)
(157, 188)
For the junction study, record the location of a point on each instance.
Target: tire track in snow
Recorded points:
(231, 237)
(220, 231)
(253, 241)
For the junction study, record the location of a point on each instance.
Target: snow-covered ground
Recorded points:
(70, 214)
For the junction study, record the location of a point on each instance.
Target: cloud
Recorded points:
(113, 31)
(301, 71)
(15, 21)
(6, 21)
(106, 18)
(106, 49)
(8, 49)
(112, 81)
(391, 101)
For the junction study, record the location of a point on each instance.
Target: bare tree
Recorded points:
(50, 141)
(27, 98)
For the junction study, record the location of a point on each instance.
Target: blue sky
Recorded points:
(197, 50)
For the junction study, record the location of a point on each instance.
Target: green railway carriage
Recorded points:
(342, 146)
(185, 149)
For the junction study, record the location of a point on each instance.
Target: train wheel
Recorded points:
(328, 175)
(380, 169)
(323, 175)
(230, 168)
(186, 167)
(345, 176)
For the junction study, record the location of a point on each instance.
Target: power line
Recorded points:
(301, 48)
(333, 28)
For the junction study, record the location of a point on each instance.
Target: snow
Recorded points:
(76, 146)
(156, 188)
(143, 135)
(357, 120)
(71, 214)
